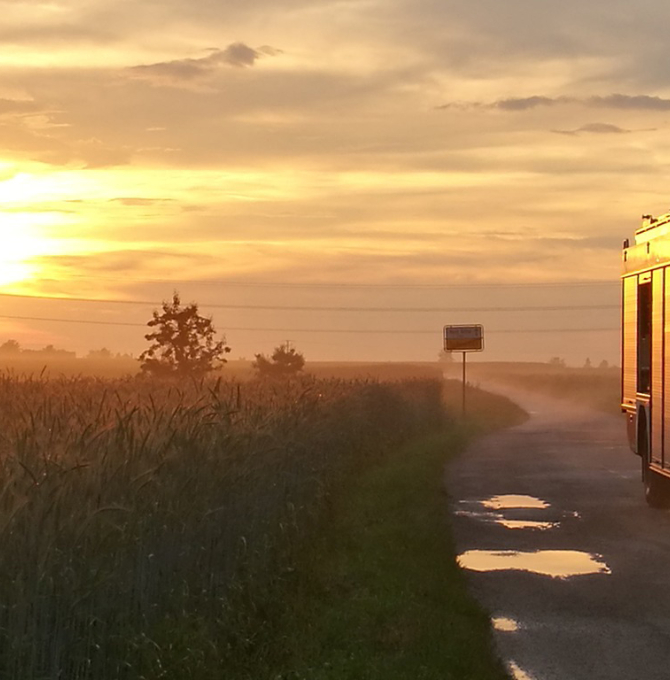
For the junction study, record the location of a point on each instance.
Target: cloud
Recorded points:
(140, 262)
(633, 102)
(596, 128)
(89, 153)
(237, 55)
(139, 201)
(523, 104)
(251, 116)
(488, 39)
(612, 101)
(14, 106)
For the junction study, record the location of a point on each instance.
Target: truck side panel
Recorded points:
(657, 363)
(666, 371)
(629, 341)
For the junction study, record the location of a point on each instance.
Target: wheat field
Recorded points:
(138, 518)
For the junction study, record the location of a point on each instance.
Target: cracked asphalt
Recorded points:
(612, 623)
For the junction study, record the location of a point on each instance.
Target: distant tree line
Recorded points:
(12, 347)
(182, 343)
(558, 362)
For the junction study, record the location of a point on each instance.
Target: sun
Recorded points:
(30, 215)
(23, 243)
(14, 272)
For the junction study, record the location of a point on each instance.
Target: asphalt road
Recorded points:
(560, 547)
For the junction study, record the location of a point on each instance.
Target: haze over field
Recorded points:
(353, 154)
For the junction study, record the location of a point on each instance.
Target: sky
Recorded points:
(348, 175)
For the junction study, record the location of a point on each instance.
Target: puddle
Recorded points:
(517, 672)
(499, 518)
(509, 501)
(497, 510)
(554, 563)
(525, 524)
(504, 624)
(474, 514)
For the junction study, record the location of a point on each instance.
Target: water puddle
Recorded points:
(504, 624)
(473, 514)
(525, 524)
(508, 503)
(517, 672)
(498, 518)
(513, 501)
(554, 563)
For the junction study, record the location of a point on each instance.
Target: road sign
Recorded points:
(464, 338)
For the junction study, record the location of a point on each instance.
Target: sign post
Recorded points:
(464, 339)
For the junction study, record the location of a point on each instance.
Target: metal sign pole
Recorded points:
(463, 408)
(463, 339)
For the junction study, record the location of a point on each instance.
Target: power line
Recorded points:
(412, 310)
(434, 331)
(320, 308)
(353, 331)
(84, 321)
(107, 301)
(353, 285)
(558, 330)
(314, 308)
(411, 286)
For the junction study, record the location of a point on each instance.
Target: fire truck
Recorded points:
(645, 343)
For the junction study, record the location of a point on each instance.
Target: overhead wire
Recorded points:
(355, 331)
(322, 308)
(343, 308)
(355, 285)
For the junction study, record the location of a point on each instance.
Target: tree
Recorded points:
(184, 343)
(103, 354)
(10, 347)
(284, 362)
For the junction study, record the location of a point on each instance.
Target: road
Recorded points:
(559, 546)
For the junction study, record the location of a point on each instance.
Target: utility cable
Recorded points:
(320, 308)
(355, 331)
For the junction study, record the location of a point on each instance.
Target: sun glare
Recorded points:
(31, 209)
(23, 244)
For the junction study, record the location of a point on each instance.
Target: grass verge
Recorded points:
(378, 594)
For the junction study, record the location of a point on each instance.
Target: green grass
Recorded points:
(378, 594)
